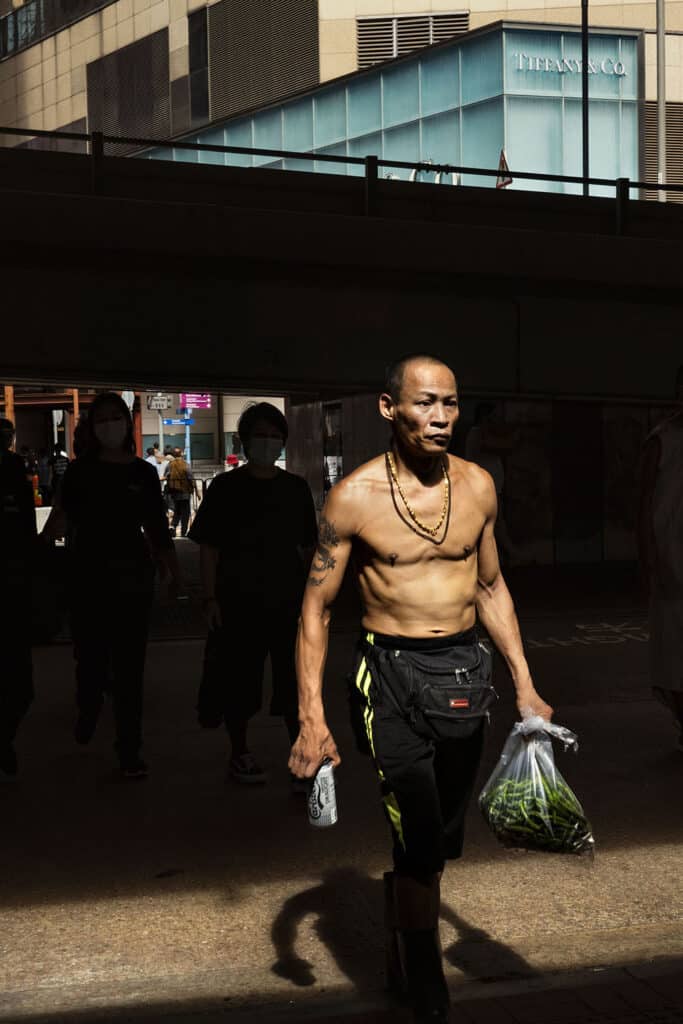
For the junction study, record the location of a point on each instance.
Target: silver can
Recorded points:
(322, 800)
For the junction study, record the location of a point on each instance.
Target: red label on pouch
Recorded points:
(459, 702)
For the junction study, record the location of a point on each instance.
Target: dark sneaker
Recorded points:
(8, 759)
(135, 769)
(246, 769)
(86, 723)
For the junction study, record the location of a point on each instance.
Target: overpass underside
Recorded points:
(154, 273)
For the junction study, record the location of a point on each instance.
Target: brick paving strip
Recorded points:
(620, 996)
(643, 994)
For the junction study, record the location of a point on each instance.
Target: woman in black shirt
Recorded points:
(117, 528)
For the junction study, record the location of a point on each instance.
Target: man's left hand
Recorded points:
(529, 703)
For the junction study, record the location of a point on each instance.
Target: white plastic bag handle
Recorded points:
(534, 723)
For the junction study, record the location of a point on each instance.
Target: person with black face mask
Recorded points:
(116, 521)
(17, 552)
(256, 528)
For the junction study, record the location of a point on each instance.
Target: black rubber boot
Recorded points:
(426, 982)
(397, 980)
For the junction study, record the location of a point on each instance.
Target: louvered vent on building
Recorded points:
(674, 148)
(260, 52)
(129, 91)
(384, 38)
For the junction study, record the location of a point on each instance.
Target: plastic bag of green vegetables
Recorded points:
(526, 802)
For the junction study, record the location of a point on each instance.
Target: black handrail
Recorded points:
(370, 164)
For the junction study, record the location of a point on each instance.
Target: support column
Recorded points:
(9, 403)
(76, 411)
(222, 454)
(137, 424)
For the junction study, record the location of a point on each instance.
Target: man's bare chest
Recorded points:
(391, 537)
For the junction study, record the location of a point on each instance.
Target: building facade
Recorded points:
(511, 87)
(159, 69)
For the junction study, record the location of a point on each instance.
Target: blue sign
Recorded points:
(178, 423)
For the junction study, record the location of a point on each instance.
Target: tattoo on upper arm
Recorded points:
(323, 560)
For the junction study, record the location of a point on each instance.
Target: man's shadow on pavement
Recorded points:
(349, 911)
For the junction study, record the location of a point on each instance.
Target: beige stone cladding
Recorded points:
(44, 86)
(338, 20)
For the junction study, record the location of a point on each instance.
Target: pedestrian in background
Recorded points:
(58, 467)
(181, 485)
(256, 528)
(154, 458)
(115, 518)
(17, 552)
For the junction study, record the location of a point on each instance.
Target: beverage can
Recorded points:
(322, 800)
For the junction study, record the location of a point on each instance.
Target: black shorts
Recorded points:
(425, 782)
(231, 688)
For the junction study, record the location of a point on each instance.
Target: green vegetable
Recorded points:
(537, 814)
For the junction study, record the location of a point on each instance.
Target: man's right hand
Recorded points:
(313, 745)
(212, 611)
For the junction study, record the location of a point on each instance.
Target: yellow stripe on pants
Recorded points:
(363, 683)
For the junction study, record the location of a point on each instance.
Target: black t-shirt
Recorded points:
(259, 527)
(107, 504)
(17, 522)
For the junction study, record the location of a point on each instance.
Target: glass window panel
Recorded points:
(534, 140)
(482, 139)
(481, 68)
(440, 80)
(367, 145)
(609, 56)
(364, 105)
(267, 134)
(299, 165)
(571, 144)
(330, 116)
(187, 156)
(197, 28)
(605, 144)
(327, 167)
(403, 144)
(298, 126)
(533, 63)
(628, 53)
(213, 137)
(441, 138)
(199, 96)
(239, 133)
(401, 94)
(628, 165)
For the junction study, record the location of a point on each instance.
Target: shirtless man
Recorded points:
(420, 524)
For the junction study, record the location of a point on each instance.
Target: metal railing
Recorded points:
(97, 141)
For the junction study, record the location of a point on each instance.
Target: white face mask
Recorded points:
(264, 450)
(111, 433)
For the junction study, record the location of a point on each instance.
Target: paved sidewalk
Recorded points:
(187, 899)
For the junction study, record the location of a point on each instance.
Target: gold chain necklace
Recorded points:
(430, 530)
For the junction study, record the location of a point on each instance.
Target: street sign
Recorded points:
(195, 401)
(158, 402)
(504, 177)
(178, 422)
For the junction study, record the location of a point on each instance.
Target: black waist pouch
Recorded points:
(445, 693)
